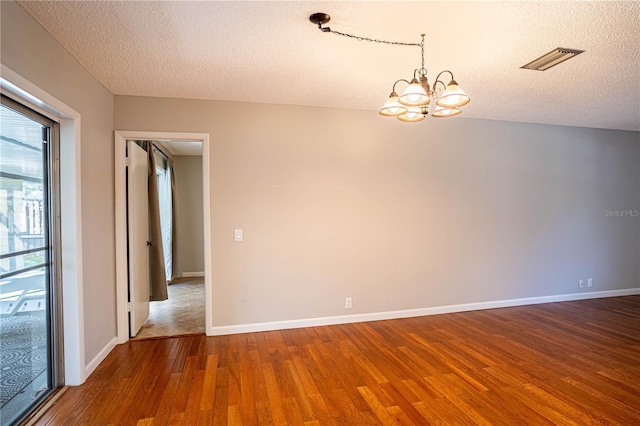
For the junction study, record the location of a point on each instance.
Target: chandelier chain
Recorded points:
(422, 49)
(375, 40)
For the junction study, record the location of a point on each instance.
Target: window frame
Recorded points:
(52, 244)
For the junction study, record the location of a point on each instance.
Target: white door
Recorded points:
(138, 231)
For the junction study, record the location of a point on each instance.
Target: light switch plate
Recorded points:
(237, 235)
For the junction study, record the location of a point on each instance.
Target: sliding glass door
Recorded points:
(29, 299)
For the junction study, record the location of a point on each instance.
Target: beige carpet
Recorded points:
(182, 313)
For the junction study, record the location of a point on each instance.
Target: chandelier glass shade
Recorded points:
(414, 95)
(453, 96)
(393, 107)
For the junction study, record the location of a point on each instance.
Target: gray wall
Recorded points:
(188, 179)
(338, 203)
(31, 52)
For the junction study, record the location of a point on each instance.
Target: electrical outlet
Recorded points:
(581, 283)
(590, 282)
(348, 303)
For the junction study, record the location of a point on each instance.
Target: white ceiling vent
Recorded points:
(551, 59)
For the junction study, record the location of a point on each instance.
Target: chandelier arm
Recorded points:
(394, 84)
(436, 83)
(442, 72)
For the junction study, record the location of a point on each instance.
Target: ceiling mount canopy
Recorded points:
(415, 102)
(319, 19)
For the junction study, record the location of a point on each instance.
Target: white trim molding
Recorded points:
(22, 90)
(121, 138)
(378, 316)
(95, 362)
(192, 274)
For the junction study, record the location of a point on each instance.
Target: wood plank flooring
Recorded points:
(570, 363)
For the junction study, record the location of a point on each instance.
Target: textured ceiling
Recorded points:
(180, 148)
(269, 52)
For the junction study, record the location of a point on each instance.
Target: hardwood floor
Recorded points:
(570, 363)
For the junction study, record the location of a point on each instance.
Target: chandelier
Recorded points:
(418, 99)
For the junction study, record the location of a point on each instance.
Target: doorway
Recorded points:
(178, 175)
(202, 279)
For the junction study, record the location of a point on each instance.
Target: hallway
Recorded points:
(182, 313)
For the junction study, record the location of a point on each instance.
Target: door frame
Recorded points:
(121, 136)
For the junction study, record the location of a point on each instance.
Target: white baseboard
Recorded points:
(192, 274)
(100, 357)
(377, 316)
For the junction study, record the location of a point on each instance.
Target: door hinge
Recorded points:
(127, 162)
(129, 307)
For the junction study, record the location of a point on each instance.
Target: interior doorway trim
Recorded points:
(121, 221)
